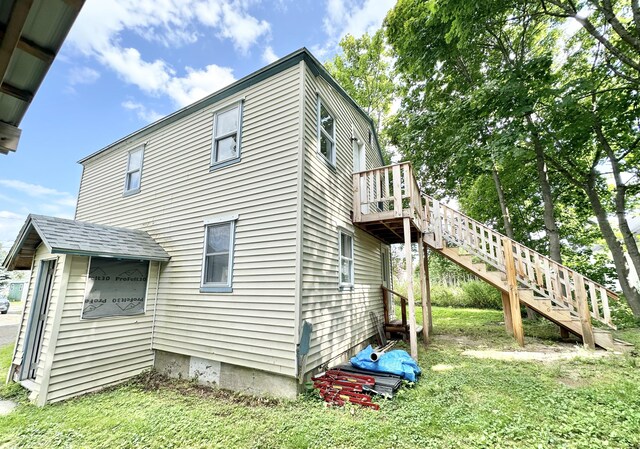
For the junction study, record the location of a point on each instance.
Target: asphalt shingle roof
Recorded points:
(63, 236)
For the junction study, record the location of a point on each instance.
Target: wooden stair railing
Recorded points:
(564, 287)
(396, 326)
(385, 192)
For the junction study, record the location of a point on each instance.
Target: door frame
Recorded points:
(41, 303)
(360, 164)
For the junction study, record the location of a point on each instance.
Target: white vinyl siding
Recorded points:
(340, 317)
(133, 178)
(255, 325)
(90, 354)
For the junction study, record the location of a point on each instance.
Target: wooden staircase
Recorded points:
(556, 292)
(388, 203)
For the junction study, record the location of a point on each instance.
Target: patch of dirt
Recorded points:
(154, 381)
(538, 353)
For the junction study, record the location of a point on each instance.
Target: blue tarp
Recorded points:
(394, 362)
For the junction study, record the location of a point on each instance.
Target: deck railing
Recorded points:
(387, 192)
(562, 285)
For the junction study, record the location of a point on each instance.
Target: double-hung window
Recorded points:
(134, 171)
(326, 133)
(345, 260)
(227, 133)
(217, 267)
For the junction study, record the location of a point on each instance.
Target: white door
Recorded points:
(386, 267)
(360, 164)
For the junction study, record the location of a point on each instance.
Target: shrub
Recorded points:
(481, 295)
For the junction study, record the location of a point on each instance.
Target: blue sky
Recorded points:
(127, 63)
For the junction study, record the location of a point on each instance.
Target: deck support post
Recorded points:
(514, 296)
(584, 313)
(564, 333)
(427, 325)
(413, 336)
(424, 289)
(506, 307)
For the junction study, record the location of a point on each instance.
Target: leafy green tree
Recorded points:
(483, 86)
(363, 69)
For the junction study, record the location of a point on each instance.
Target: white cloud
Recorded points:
(243, 29)
(32, 190)
(198, 84)
(172, 23)
(32, 198)
(83, 75)
(145, 114)
(268, 55)
(355, 17)
(10, 224)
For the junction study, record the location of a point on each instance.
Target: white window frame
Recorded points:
(127, 189)
(214, 164)
(344, 285)
(320, 130)
(218, 287)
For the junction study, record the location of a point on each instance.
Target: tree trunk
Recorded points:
(620, 200)
(506, 217)
(614, 245)
(547, 199)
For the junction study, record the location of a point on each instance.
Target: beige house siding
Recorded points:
(254, 325)
(42, 253)
(92, 353)
(340, 318)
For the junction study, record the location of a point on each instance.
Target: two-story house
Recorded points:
(202, 243)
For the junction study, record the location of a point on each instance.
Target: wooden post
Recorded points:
(413, 340)
(584, 313)
(426, 267)
(357, 207)
(506, 307)
(514, 297)
(424, 289)
(564, 333)
(437, 225)
(397, 191)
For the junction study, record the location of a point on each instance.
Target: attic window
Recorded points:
(227, 126)
(134, 171)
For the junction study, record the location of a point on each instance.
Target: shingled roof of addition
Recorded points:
(63, 236)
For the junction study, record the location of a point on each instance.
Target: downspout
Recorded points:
(155, 308)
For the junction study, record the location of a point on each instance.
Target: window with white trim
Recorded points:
(326, 133)
(134, 171)
(217, 264)
(227, 126)
(345, 259)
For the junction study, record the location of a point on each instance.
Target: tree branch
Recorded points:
(607, 11)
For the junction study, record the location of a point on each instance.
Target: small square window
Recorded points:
(133, 176)
(217, 265)
(227, 127)
(326, 134)
(345, 268)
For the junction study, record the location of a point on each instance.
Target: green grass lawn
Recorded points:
(466, 403)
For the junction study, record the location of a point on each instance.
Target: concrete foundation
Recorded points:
(224, 375)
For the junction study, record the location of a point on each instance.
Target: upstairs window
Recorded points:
(346, 260)
(227, 125)
(218, 257)
(134, 171)
(326, 133)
